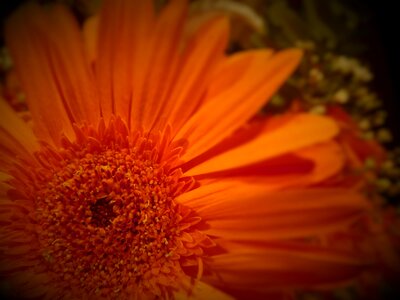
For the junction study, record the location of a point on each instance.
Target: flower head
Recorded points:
(145, 174)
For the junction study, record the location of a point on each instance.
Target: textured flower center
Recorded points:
(102, 213)
(106, 217)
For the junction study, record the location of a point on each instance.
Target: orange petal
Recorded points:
(16, 138)
(283, 265)
(201, 55)
(305, 167)
(301, 131)
(257, 76)
(47, 49)
(269, 171)
(166, 61)
(328, 160)
(90, 35)
(123, 56)
(250, 212)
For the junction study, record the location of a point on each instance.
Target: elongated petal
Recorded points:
(137, 66)
(258, 75)
(164, 64)
(123, 56)
(239, 211)
(328, 158)
(47, 49)
(16, 138)
(203, 51)
(284, 265)
(301, 131)
(91, 34)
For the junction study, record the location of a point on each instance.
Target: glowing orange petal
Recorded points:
(202, 53)
(166, 63)
(233, 70)
(16, 137)
(90, 35)
(123, 56)
(305, 167)
(277, 169)
(283, 265)
(54, 70)
(228, 110)
(242, 211)
(303, 130)
(165, 59)
(328, 159)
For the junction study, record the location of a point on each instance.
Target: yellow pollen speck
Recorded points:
(68, 183)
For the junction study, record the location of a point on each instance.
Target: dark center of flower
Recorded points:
(102, 212)
(107, 218)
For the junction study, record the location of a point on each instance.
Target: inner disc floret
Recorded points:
(106, 214)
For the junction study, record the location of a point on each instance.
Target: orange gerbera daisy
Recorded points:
(144, 176)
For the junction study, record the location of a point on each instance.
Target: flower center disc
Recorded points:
(106, 218)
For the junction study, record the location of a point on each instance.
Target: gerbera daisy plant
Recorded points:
(144, 171)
